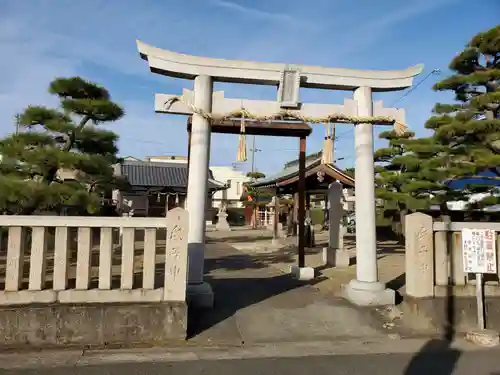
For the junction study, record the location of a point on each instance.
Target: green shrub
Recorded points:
(317, 216)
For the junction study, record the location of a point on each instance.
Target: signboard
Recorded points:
(479, 251)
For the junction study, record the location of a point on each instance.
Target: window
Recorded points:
(238, 191)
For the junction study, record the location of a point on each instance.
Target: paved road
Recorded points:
(451, 362)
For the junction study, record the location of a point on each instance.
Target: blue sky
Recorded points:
(42, 39)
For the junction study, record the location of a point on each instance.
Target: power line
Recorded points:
(413, 88)
(343, 134)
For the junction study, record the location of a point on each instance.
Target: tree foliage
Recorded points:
(258, 196)
(255, 175)
(350, 172)
(391, 180)
(51, 142)
(465, 143)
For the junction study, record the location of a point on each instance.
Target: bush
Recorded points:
(317, 216)
(236, 216)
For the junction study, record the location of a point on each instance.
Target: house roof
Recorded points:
(291, 171)
(174, 175)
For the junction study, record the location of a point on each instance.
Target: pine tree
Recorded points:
(466, 139)
(350, 172)
(391, 181)
(50, 141)
(255, 175)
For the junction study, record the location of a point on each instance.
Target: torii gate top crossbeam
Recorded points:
(187, 66)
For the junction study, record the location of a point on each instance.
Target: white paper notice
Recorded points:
(478, 251)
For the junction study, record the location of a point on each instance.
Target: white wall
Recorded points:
(167, 159)
(473, 198)
(236, 178)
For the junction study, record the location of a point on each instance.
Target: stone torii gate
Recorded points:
(205, 105)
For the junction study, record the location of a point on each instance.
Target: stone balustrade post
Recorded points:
(419, 255)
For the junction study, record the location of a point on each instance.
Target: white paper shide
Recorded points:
(478, 250)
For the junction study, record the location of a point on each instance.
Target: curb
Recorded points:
(52, 359)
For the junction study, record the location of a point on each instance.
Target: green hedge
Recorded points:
(236, 216)
(317, 216)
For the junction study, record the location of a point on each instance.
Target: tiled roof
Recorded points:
(292, 169)
(285, 173)
(175, 175)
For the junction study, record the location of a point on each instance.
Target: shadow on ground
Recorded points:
(240, 280)
(239, 261)
(242, 238)
(425, 360)
(398, 282)
(435, 357)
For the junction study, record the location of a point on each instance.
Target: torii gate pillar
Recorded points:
(366, 289)
(198, 292)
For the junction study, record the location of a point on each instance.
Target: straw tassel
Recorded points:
(242, 145)
(400, 128)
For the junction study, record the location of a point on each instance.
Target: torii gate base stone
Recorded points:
(366, 289)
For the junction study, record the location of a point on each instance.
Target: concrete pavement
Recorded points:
(256, 302)
(281, 255)
(407, 358)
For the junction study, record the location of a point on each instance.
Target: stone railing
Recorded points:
(434, 261)
(79, 260)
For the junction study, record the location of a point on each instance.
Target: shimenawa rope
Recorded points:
(400, 128)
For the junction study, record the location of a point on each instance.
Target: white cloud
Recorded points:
(252, 12)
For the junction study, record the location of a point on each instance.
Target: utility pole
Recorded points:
(255, 210)
(333, 142)
(18, 119)
(254, 150)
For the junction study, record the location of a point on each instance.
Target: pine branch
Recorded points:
(32, 160)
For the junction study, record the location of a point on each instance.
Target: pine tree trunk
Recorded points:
(444, 212)
(402, 223)
(28, 210)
